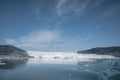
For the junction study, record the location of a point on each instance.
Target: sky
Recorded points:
(59, 25)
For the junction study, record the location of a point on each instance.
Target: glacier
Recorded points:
(67, 55)
(63, 57)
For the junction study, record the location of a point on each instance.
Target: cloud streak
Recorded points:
(66, 7)
(45, 40)
(39, 37)
(35, 39)
(11, 41)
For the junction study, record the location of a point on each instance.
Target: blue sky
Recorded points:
(60, 25)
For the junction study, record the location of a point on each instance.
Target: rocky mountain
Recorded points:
(8, 50)
(115, 51)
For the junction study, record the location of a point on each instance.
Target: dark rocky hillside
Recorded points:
(115, 51)
(8, 50)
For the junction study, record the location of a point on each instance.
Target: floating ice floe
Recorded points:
(2, 63)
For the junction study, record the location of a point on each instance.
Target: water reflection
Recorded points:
(57, 61)
(12, 63)
(60, 69)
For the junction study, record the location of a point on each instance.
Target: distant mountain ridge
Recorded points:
(115, 51)
(8, 50)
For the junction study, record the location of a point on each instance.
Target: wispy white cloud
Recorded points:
(49, 40)
(97, 3)
(45, 40)
(65, 7)
(90, 36)
(35, 39)
(11, 41)
(60, 10)
(36, 9)
(39, 37)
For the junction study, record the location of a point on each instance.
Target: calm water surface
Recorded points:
(57, 69)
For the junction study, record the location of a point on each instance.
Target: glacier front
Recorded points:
(67, 55)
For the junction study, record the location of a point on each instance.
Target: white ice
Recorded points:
(63, 57)
(67, 55)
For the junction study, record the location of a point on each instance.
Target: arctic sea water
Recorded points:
(61, 66)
